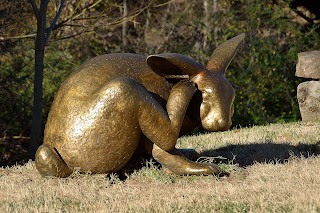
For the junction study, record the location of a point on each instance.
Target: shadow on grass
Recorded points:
(243, 155)
(15, 152)
(248, 154)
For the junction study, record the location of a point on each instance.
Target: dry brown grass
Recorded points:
(275, 168)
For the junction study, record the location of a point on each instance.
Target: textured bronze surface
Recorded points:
(115, 103)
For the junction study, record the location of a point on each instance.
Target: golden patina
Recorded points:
(115, 104)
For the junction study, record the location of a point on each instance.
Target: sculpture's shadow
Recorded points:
(137, 162)
(248, 154)
(242, 154)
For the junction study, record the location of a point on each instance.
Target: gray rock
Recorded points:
(308, 65)
(309, 100)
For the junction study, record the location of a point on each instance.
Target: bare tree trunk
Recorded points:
(124, 23)
(147, 24)
(207, 5)
(206, 24)
(36, 132)
(41, 40)
(215, 30)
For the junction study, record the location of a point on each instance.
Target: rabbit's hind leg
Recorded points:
(50, 163)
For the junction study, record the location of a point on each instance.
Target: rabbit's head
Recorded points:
(216, 108)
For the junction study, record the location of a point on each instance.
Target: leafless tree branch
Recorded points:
(76, 17)
(54, 21)
(43, 8)
(35, 8)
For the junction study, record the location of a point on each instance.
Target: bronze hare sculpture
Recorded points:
(116, 104)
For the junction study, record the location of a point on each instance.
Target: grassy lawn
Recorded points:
(273, 168)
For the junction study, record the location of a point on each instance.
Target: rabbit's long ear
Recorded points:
(174, 66)
(224, 53)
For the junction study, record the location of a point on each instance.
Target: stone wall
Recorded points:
(308, 93)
